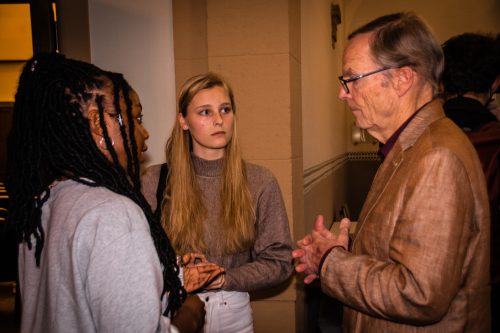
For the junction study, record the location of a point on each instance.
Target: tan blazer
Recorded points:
(420, 257)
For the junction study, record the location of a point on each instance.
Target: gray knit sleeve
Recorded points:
(271, 260)
(149, 184)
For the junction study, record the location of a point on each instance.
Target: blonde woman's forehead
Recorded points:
(211, 96)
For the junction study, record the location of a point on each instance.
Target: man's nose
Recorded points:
(342, 95)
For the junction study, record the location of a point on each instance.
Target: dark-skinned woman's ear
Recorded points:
(95, 121)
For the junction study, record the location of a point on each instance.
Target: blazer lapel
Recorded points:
(382, 178)
(427, 115)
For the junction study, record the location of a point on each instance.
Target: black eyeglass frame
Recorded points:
(344, 82)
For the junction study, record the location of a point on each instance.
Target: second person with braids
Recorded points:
(218, 208)
(93, 258)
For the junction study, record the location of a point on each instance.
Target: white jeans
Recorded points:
(227, 312)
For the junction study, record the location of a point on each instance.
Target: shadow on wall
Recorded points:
(360, 174)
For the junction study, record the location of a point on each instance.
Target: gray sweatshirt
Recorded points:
(99, 270)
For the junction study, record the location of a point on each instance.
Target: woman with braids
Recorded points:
(93, 258)
(218, 208)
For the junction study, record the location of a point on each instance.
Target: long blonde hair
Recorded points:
(183, 212)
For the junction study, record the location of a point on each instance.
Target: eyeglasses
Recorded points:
(344, 82)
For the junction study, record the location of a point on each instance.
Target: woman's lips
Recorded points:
(141, 156)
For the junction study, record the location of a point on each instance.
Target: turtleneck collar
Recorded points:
(207, 168)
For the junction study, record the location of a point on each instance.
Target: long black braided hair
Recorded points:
(51, 139)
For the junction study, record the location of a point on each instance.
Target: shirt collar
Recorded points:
(385, 149)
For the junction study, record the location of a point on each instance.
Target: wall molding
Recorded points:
(317, 173)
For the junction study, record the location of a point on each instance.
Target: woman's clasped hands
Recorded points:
(198, 273)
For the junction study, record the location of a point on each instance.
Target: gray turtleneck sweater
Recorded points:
(269, 261)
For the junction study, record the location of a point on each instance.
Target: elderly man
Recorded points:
(420, 257)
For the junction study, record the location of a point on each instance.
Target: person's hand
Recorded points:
(199, 273)
(190, 318)
(216, 283)
(314, 246)
(197, 276)
(193, 258)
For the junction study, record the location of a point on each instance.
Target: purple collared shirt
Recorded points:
(385, 149)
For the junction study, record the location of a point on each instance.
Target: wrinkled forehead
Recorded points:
(358, 53)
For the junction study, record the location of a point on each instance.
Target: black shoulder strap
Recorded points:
(162, 183)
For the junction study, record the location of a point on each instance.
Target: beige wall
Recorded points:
(256, 46)
(190, 39)
(323, 116)
(136, 38)
(446, 17)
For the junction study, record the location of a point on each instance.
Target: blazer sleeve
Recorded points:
(426, 252)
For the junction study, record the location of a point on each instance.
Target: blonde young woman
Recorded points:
(218, 208)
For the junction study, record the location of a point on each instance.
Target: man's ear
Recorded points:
(94, 121)
(404, 79)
